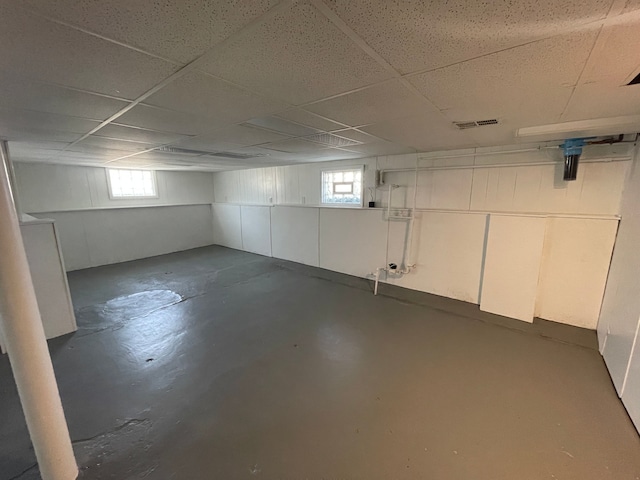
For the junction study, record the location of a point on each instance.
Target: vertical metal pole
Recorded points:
(26, 345)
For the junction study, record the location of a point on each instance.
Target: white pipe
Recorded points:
(375, 288)
(26, 345)
(409, 265)
(499, 165)
(386, 257)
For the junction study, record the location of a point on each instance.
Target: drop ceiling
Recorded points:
(215, 85)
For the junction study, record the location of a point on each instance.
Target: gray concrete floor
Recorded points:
(219, 364)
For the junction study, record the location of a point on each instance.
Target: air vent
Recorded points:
(201, 153)
(239, 156)
(635, 81)
(182, 151)
(476, 123)
(331, 140)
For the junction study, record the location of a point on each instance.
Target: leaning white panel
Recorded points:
(575, 264)
(512, 264)
(449, 255)
(294, 234)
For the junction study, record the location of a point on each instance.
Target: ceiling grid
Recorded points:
(294, 81)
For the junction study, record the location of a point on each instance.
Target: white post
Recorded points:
(27, 347)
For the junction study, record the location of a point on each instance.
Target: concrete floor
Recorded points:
(219, 364)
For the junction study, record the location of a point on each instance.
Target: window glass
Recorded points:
(131, 183)
(342, 187)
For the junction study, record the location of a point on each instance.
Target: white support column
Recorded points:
(26, 345)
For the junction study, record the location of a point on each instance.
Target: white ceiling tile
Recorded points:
(382, 147)
(282, 126)
(237, 135)
(161, 157)
(16, 124)
(115, 144)
(303, 117)
(201, 94)
(298, 56)
(90, 151)
(24, 93)
(606, 98)
(328, 155)
(532, 83)
(163, 120)
(11, 132)
(615, 62)
(356, 135)
(50, 52)
(417, 35)
(177, 30)
(132, 162)
(372, 105)
(425, 132)
(134, 134)
(206, 143)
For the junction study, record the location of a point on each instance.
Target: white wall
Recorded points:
(295, 234)
(575, 224)
(619, 328)
(97, 230)
(521, 189)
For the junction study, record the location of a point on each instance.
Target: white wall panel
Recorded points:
(541, 189)
(49, 278)
(352, 241)
(444, 189)
(43, 188)
(117, 235)
(288, 185)
(512, 264)
(294, 234)
(56, 188)
(621, 305)
(575, 264)
(449, 255)
(227, 227)
(73, 239)
(256, 229)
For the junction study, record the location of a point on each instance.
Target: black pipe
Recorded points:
(571, 166)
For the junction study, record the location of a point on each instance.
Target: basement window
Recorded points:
(342, 187)
(131, 183)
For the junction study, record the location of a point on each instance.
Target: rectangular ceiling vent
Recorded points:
(181, 151)
(476, 123)
(331, 140)
(201, 153)
(239, 156)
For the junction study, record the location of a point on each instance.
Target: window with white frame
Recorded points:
(131, 183)
(342, 187)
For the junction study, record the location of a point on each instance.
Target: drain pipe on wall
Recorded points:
(391, 269)
(26, 345)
